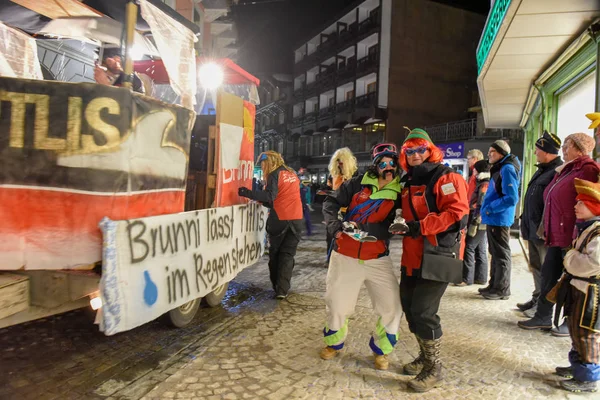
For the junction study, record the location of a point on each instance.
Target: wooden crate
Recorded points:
(14, 294)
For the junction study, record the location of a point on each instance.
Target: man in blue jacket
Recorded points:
(498, 213)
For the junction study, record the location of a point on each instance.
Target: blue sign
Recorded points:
(453, 150)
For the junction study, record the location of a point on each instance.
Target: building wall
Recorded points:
(433, 69)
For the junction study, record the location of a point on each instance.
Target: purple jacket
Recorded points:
(559, 197)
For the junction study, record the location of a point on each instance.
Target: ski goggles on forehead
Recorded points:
(383, 149)
(384, 164)
(411, 151)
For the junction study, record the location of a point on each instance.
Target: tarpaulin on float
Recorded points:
(71, 154)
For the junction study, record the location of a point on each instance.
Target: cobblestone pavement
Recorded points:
(258, 348)
(270, 350)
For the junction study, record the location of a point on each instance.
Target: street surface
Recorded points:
(255, 347)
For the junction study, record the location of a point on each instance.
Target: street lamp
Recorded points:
(211, 75)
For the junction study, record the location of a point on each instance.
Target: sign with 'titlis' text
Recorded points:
(152, 265)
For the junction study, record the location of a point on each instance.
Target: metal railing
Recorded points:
(459, 130)
(467, 129)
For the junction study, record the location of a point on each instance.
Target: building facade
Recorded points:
(378, 66)
(217, 31)
(537, 64)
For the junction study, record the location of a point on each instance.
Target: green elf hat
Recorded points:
(417, 133)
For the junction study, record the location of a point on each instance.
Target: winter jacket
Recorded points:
(472, 184)
(482, 182)
(559, 198)
(585, 264)
(533, 208)
(439, 198)
(373, 209)
(282, 195)
(500, 201)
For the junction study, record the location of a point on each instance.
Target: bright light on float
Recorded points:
(210, 75)
(136, 53)
(95, 301)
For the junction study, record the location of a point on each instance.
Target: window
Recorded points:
(331, 102)
(573, 105)
(315, 107)
(349, 94)
(280, 147)
(372, 87)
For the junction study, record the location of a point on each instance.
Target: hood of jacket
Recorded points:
(509, 159)
(388, 192)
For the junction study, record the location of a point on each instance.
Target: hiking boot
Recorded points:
(281, 296)
(527, 305)
(535, 323)
(430, 376)
(414, 367)
(480, 282)
(564, 372)
(486, 289)
(561, 331)
(495, 296)
(573, 385)
(531, 312)
(381, 362)
(328, 353)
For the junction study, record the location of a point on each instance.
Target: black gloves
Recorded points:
(414, 229)
(244, 192)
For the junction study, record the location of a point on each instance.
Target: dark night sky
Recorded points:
(268, 29)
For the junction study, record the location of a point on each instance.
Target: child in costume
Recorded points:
(579, 292)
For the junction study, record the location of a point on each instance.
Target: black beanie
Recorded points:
(549, 143)
(482, 166)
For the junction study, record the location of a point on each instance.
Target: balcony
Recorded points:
(347, 70)
(310, 117)
(311, 89)
(298, 121)
(371, 24)
(345, 106)
(459, 130)
(367, 100)
(326, 79)
(299, 93)
(367, 64)
(326, 112)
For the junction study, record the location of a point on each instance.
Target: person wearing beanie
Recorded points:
(546, 154)
(498, 214)
(475, 264)
(435, 207)
(578, 293)
(559, 223)
(371, 200)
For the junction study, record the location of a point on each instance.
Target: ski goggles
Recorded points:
(384, 164)
(415, 150)
(384, 149)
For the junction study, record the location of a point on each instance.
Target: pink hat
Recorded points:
(583, 142)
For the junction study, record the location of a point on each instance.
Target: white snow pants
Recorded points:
(345, 278)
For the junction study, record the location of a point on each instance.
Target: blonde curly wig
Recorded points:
(350, 166)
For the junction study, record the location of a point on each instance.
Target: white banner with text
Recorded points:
(152, 265)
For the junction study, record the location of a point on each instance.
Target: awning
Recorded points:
(308, 132)
(31, 16)
(520, 41)
(338, 127)
(357, 122)
(234, 74)
(323, 129)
